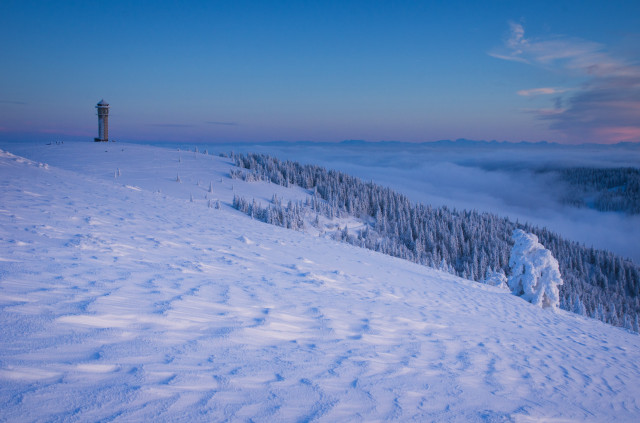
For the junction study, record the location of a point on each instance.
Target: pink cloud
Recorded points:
(586, 57)
(544, 112)
(604, 105)
(620, 133)
(540, 91)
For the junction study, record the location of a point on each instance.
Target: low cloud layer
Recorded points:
(222, 123)
(603, 105)
(171, 125)
(507, 179)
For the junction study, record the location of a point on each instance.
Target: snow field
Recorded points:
(121, 304)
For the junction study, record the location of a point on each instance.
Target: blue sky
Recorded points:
(322, 71)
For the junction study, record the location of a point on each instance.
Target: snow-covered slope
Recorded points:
(123, 300)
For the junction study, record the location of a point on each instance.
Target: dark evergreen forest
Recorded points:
(611, 189)
(467, 243)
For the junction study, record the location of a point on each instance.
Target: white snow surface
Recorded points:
(123, 300)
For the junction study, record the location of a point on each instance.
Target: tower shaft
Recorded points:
(103, 121)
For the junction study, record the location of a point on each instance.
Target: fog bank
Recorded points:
(508, 179)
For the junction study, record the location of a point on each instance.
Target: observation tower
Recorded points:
(103, 121)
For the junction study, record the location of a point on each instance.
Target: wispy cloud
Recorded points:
(222, 123)
(541, 91)
(544, 111)
(12, 102)
(604, 106)
(171, 125)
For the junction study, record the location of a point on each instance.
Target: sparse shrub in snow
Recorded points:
(534, 271)
(578, 306)
(613, 316)
(599, 313)
(496, 278)
(446, 267)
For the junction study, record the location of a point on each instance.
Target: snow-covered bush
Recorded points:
(498, 279)
(534, 271)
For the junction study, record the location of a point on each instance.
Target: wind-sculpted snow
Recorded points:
(120, 304)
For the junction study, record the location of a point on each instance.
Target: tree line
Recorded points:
(467, 243)
(611, 189)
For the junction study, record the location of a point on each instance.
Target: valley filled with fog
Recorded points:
(521, 181)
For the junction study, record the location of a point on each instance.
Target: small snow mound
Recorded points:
(245, 240)
(27, 374)
(97, 368)
(497, 279)
(313, 279)
(6, 154)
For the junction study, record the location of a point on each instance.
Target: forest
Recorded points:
(610, 189)
(467, 243)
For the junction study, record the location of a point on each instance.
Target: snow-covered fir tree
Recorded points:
(534, 271)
